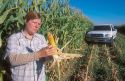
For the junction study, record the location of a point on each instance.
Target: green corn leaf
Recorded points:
(5, 14)
(1, 1)
(3, 5)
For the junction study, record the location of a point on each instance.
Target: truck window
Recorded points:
(113, 29)
(102, 28)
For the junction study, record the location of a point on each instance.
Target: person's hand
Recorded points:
(47, 51)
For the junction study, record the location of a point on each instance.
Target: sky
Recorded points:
(102, 11)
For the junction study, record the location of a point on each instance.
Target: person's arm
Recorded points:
(19, 59)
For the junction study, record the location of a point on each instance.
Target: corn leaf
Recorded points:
(5, 14)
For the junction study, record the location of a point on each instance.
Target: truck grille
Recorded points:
(96, 35)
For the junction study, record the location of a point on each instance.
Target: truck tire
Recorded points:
(112, 42)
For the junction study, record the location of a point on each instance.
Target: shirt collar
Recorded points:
(24, 36)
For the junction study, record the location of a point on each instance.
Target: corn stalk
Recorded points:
(92, 58)
(1, 74)
(113, 66)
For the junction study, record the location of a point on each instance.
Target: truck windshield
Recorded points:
(102, 28)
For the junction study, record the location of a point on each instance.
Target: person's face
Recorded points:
(32, 26)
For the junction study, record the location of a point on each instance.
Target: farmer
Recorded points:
(27, 51)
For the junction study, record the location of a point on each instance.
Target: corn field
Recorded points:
(100, 62)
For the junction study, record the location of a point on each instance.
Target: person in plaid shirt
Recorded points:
(27, 51)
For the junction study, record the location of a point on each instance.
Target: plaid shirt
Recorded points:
(19, 44)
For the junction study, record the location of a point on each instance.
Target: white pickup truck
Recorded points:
(101, 33)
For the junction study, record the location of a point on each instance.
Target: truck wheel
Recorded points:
(112, 42)
(86, 41)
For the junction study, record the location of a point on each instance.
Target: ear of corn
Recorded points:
(51, 39)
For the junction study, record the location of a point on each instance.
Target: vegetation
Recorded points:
(121, 28)
(67, 24)
(100, 62)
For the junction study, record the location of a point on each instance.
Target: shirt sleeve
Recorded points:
(20, 59)
(12, 45)
(14, 57)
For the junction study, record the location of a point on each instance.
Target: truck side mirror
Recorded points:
(114, 29)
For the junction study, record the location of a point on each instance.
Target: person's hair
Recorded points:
(32, 15)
